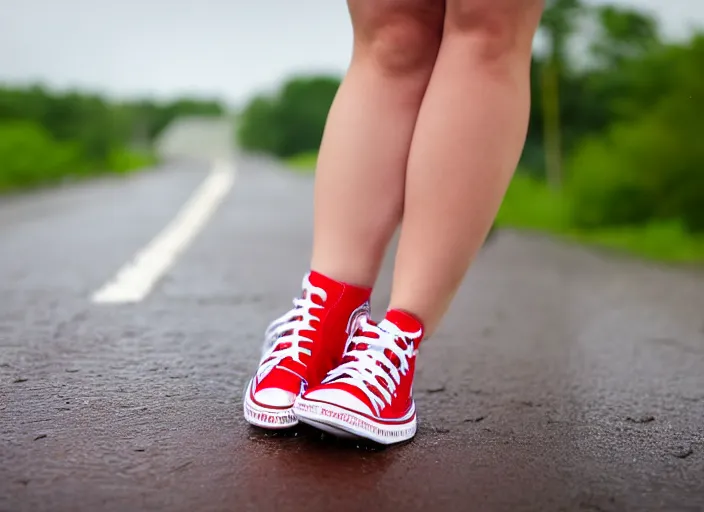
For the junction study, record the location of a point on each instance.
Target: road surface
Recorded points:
(562, 379)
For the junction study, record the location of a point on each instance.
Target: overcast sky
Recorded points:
(228, 48)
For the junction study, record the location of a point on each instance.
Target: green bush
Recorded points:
(46, 136)
(303, 161)
(99, 124)
(530, 204)
(258, 129)
(639, 173)
(608, 185)
(290, 122)
(124, 161)
(650, 168)
(302, 108)
(29, 156)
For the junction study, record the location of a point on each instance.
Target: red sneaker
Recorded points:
(301, 346)
(370, 394)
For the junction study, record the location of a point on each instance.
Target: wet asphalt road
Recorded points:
(562, 379)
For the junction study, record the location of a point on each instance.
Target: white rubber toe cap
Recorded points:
(274, 397)
(340, 398)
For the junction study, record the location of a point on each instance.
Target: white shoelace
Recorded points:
(287, 330)
(372, 362)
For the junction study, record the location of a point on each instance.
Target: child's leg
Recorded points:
(358, 198)
(362, 164)
(467, 142)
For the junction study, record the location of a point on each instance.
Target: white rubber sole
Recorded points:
(265, 417)
(343, 423)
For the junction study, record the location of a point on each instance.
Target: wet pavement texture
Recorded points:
(562, 378)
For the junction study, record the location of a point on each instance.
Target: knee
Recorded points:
(495, 29)
(401, 36)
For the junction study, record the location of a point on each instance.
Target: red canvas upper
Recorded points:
(399, 328)
(335, 307)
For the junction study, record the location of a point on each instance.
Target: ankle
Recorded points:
(347, 277)
(406, 322)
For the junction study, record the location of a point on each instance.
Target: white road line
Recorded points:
(136, 279)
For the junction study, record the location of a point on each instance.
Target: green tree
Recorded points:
(290, 122)
(607, 91)
(559, 23)
(47, 135)
(624, 34)
(648, 165)
(258, 128)
(29, 156)
(303, 107)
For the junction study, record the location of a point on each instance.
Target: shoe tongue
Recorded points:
(400, 323)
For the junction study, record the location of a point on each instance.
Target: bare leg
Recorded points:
(359, 188)
(467, 142)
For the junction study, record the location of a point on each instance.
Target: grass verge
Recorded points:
(304, 162)
(531, 205)
(128, 161)
(119, 163)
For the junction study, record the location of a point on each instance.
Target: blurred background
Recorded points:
(613, 157)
